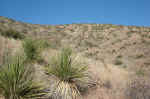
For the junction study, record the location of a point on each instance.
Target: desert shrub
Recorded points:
(119, 56)
(43, 44)
(139, 56)
(118, 62)
(69, 73)
(16, 81)
(140, 73)
(31, 49)
(129, 34)
(12, 34)
(138, 88)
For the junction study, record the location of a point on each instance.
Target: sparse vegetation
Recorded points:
(114, 34)
(113, 51)
(90, 43)
(85, 28)
(138, 88)
(97, 27)
(5, 57)
(129, 34)
(16, 82)
(12, 34)
(69, 72)
(140, 73)
(101, 46)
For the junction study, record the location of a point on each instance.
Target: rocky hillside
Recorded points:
(125, 48)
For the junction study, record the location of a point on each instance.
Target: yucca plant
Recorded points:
(16, 82)
(69, 72)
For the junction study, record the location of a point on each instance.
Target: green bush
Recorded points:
(69, 72)
(16, 82)
(43, 44)
(31, 49)
(12, 34)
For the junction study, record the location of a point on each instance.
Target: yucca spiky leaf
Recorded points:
(16, 82)
(65, 68)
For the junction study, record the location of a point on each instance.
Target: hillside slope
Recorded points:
(111, 51)
(127, 46)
